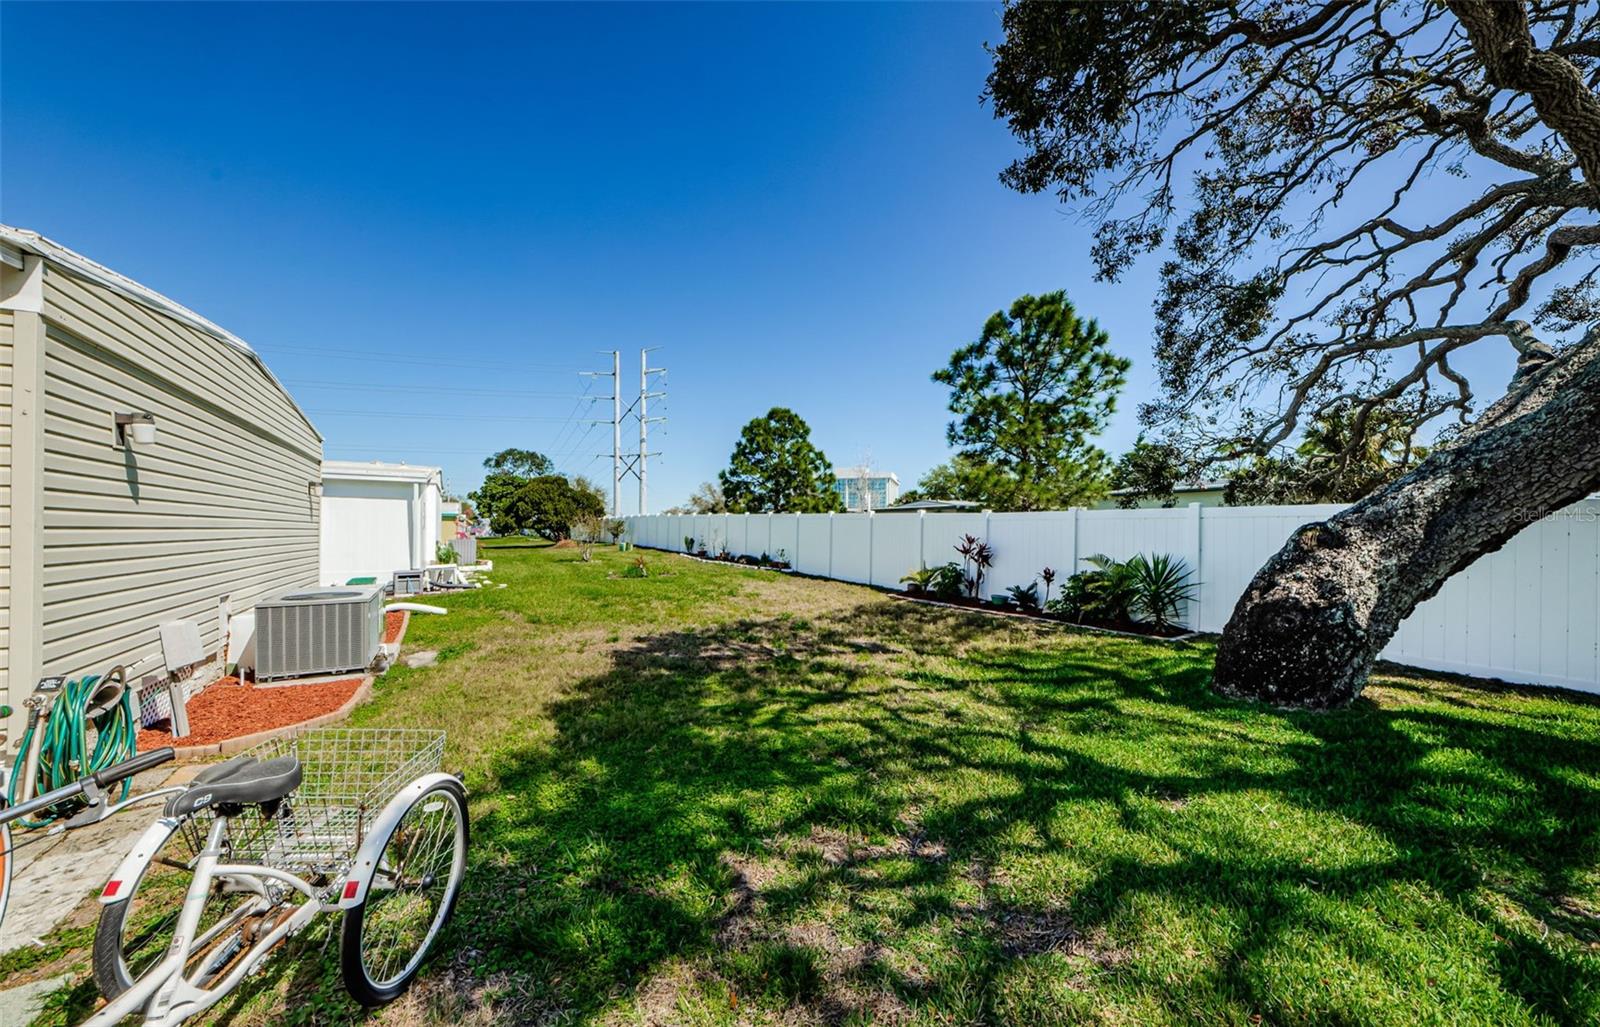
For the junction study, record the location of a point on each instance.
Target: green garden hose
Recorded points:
(65, 754)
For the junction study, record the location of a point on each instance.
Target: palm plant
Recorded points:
(1048, 576)
(1109, 590)
(1026, 597)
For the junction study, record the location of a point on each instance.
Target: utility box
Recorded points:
(318, 631)
(410, 583)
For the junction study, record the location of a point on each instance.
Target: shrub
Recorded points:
(616, 527)
(637, 569)
(688, 543)
(917, 581)
(1149, 589)
(1074, 598)
(948, 581)
(445, 553)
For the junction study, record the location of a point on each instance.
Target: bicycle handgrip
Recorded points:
(128, 768)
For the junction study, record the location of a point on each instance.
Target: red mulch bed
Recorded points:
(393, 621)
(229, 709)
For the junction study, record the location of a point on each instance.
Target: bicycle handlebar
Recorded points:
(127, 768)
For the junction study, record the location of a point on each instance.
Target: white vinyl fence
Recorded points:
(1529, 613)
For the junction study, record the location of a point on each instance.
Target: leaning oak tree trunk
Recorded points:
(1307, 630)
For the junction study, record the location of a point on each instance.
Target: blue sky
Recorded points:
(455, 209)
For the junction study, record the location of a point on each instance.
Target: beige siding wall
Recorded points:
(221, 504)
(6, 344)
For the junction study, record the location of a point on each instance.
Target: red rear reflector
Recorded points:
(350, 889)
(112, 888)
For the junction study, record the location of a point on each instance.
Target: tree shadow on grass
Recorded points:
(894, 812)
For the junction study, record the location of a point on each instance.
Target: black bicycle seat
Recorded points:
(241, 781)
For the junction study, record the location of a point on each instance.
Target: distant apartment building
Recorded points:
(863, 489)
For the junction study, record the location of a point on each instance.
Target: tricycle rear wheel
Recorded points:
(413, 892)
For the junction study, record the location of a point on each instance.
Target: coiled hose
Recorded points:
(65, 755)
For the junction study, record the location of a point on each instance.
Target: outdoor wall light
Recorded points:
(138, 428)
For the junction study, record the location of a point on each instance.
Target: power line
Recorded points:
(390, 357)
(467, 390)
(571, 427)
(407, 415)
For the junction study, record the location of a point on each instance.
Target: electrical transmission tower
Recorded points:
(639, 465)
(642, 466)
(616, 427)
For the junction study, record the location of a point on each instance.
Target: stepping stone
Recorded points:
(22, 1004)
(426, 658)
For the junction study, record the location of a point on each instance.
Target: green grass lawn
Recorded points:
(725, 796)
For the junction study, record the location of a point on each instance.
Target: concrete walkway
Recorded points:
(53, 874)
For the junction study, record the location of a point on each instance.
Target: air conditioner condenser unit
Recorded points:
(318, 631)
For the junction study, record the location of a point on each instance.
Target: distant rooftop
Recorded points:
(377, 470)
(1205, 485)
(852, 473)
(932, 506)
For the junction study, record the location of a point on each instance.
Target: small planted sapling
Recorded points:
(1048, 576)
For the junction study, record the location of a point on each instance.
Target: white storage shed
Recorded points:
(378, 518)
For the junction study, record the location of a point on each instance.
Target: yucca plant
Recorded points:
(1161, 585)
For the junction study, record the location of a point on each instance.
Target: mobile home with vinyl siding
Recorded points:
(103, 537)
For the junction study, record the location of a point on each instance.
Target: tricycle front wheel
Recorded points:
(411, 896)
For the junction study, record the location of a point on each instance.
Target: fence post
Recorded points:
(871, 532)
(922, 539)
(830, 543)
(1196, 556)
(1072, 547)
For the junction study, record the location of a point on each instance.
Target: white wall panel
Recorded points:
(814, 544)
(852, 547)
(896, 547)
